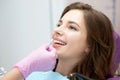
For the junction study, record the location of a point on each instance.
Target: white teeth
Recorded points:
(59, 42)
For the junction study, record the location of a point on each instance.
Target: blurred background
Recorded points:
(27, 24)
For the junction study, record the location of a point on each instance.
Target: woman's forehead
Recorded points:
(74, 16)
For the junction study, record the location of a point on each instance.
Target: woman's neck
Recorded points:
(64, 67)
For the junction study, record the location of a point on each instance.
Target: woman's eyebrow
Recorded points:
(60, 21)
(74, 23)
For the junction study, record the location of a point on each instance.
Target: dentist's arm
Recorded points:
(14, 74)
(42, 59)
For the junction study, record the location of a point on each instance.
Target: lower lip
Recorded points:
(56, 46)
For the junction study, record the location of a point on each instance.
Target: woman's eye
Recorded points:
(72, 27)
(58, 25)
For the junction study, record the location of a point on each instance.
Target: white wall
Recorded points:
(24, 26)
(117, 19)
(57, 8)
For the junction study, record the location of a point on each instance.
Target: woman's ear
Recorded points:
(87, 50)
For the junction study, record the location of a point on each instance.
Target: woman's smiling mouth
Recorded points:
(58, 43)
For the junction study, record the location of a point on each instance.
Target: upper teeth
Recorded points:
(60, 42)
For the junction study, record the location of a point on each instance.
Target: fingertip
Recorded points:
(48, 49)
(52, 50)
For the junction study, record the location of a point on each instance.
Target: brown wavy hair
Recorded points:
(96, 64)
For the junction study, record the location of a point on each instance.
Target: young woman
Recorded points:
(82, 43)
(85, 42)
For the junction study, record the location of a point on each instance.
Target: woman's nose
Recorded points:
(59, 31)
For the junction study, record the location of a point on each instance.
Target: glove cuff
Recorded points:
(22, 70)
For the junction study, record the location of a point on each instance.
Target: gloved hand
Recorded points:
(42, 59)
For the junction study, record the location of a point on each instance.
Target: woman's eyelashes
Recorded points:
(58, 25)
(71, 27)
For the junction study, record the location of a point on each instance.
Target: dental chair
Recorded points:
(116, 58)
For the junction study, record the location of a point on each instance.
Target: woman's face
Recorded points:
(70, 37)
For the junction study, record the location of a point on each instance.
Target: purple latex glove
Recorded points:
(116, 58)
(42, 59)
(115, 78)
